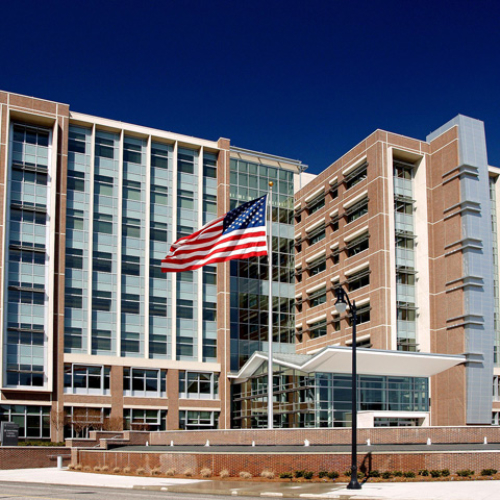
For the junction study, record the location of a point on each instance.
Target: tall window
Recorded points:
(144, 383)
(198, 385)
(92, 380)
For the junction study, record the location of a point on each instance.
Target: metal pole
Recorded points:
(354, 484)
(270, 416)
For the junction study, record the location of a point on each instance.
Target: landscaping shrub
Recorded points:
(322, 474)
(409, 474)
(156, 471)
(298, 473)
(245, 475)
(268, 474)
(71, 467)
(87, 468)
(224, 473)
(104, 468)
(205, 472)
(126, 470)
(140, 471)
(435, 473)
(286, 475)
(374, 473)
(189, 472)
(116, 470)
(170, 472)
(386, 474)
(445, 472)
(97, 468)
(488, 472)
(423, 472)
(332, 475)
(397, 473)
(308, 474)
(465, 473)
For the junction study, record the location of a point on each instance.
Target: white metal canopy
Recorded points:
(369, 362)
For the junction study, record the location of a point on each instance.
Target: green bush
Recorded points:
(488, 472)
(445, 472)
(409, 474)
(398, 473)
(465, 473)
(322, 474)
(40, 443)
(333, 475)
(374, 473)
(435, 473)
(423, 472)
(285, 475)
(298, 473)
(386, 474)
(308, 474)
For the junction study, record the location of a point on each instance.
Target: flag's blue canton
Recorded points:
(250, 214)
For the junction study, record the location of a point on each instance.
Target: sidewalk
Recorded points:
(450, 490)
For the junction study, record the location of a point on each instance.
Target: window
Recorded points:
(103, 185)
(198, 420)
(104, 147)
(209, 311)
(316, 204)
(74, 258)
(158, 231)
(359, 279)
(185, 199)
(198, 385)
(185, 161)
(131, 151)
(358, 245)
(210, 166)
(184, 231)
(159, 195)
(334, 191)
(317, 329)
(144, 420)
(74, 219)
(159, 156)
(76, 141)
(298, 275)
(27, 255)
(155, 270)
(92, 380)
(209, 348)
(131, 227)
(362, 316)
(185, 346)
(103, 223)
(157, 306)
(317, 266)
(72, 338)
(317, 234)
(299, 336)
(102, 262)
(144, 383)
(209, 275)
(210, 204)
(318, 297)
(33, 421)
(73, 297)
(76, 180)
(31, 135)
(335, 256)
(131, 190)
(356, 210)
(356, 176)
(79, 421)
(101, 300)
(186, 276)
(101, 340)
(184, 309)
(131, 265)
(131, 303)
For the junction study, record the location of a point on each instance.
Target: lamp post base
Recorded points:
(354, 484)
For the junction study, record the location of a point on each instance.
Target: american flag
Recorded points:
(239, 234)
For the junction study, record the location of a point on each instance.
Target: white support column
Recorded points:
(147, 248)
(119, 245)
(173, 276)
(200, 270)
(90, 260)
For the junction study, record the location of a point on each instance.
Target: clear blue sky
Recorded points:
(303, 79)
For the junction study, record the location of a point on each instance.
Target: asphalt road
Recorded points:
(25, 491)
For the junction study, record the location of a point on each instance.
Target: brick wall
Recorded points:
(255, 463)
(30, 457)
(381, 435)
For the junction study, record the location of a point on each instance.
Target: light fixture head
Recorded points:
(341, 303)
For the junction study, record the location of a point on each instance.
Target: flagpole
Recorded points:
(270, 416)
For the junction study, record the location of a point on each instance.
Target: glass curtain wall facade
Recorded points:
(249, 278)
(323, 399)
(27, 247)
(405, 256)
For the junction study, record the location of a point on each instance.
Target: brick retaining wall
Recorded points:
(378, 435)
(255, 463)
(31, 457)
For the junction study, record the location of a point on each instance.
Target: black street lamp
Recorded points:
(341, 306)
